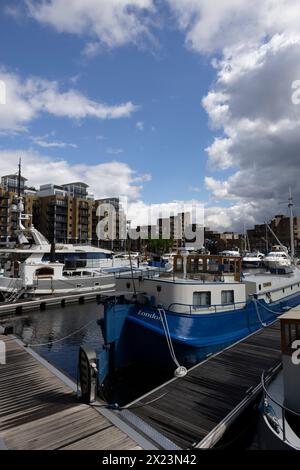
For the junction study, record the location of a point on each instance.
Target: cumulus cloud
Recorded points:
(112, 23)
(211, 26)
(105, 179)
(261, 125)
(255, 48)
(27, 99)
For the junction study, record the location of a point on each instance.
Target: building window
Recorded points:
(202, 299)
(227, 297)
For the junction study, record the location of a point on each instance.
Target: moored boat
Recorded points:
(279, 424)
(179, 319)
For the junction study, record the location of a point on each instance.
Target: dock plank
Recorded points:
(186, 410)
(39, 412)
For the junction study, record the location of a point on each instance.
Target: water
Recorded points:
(57, 323)
(51, 326)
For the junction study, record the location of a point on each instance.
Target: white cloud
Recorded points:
(216, 25)
(194, 189)
(112, 23)
(249, 105)
(140, 213)
(29, 98)
(114, 151)
(42, 141)
(105, 179)
(140, 125)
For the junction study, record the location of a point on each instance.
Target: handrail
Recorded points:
(273, 399)
(199, 307)
(282, 407)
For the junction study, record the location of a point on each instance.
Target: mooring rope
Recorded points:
(263, 324)
(60, 339)
(181, 371)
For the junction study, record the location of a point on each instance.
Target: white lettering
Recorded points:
(296, 354)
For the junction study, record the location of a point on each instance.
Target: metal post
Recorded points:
(290, 206)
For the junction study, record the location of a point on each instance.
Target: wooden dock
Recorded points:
(195, 411)
(54, 300)
(39, 410)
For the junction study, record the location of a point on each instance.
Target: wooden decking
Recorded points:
(193, 411)
(39, 411)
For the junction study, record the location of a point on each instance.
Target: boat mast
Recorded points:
(19, 178)
(290, 206)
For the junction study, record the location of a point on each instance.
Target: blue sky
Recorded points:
(159, 59)
(166, 82)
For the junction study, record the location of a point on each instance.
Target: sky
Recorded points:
(156, 100)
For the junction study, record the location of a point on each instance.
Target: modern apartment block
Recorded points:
(113, 220)
(65, 213)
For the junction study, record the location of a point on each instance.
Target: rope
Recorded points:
(268, 309)
(180, 371)
(258, 314)
(61, 339)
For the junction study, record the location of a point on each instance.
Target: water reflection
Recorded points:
(48, 327)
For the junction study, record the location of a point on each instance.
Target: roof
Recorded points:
(293, 314)
(76, 182)
(14, 176)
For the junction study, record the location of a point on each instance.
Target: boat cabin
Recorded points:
(208, 267)
(198, 284)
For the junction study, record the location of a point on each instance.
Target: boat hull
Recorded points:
(142, 339)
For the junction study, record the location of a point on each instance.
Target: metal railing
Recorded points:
(276, 289)
(273, 420)
(212, 308)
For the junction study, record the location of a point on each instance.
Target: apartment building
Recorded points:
(261, 238)
(113, 218)
(65, 213)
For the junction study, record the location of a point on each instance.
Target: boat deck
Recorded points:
(193, 411)
(39, 410)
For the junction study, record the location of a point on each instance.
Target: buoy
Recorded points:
(180, 371)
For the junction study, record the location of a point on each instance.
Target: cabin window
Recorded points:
(202, 299)
(227, 297)
(44, 272)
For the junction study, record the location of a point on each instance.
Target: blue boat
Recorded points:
(171, 321)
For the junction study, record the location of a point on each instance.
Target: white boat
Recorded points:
(230, 253)
(277, 258)
(33, 266)
(279, 423)
(253, 260)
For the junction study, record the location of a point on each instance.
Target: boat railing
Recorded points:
(191, 309)
(275, 289)
(273, 418)
(144, 273)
